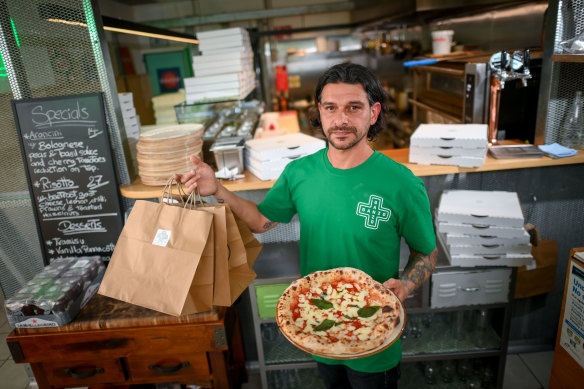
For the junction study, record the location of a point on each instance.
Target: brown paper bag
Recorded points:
(243, 251)
(163, 260)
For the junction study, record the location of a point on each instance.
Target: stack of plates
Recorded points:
(164, 151)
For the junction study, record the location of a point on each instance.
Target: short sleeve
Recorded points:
(278, 205)
(416, 225)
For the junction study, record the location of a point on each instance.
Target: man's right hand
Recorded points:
(202, 177)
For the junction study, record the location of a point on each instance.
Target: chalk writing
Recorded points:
(72, 180)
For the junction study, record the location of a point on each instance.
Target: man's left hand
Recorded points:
(397, 287)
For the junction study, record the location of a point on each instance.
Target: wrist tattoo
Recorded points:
(268, 224)
(418, 269)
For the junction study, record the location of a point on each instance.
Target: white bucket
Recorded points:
(442, 41)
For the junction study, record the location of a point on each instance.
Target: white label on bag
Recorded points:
(162, 237)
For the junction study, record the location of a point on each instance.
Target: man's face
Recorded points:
(346, 115)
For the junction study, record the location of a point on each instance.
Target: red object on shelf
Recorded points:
(281, 79)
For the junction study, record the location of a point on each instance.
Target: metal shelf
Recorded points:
(576, 58)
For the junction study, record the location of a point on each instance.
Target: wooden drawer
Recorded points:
(84, 373)
(172, 368)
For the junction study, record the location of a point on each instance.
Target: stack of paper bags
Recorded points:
(483, 228)
(225, 69)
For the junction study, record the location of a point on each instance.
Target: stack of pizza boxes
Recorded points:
(483, 228)
(463, 145)
(224, 70)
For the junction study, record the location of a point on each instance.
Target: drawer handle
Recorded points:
(468, 289)
(77, 372)
(169, 369)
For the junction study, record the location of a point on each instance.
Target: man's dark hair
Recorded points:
(350, 73)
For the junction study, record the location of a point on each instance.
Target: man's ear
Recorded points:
(375, 111)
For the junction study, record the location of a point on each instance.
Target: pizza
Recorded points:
(338, 312)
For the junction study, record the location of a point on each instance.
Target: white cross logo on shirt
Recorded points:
(373, 212)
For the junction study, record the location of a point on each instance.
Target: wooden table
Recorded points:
(112, 342)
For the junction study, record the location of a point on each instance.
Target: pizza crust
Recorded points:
(339, 339)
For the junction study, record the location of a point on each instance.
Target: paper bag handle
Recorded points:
(167, 191)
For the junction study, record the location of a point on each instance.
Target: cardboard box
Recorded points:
(493, 208)
(540, 277)
(450, 135)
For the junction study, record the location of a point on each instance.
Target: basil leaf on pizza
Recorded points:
(338, 312)
(325, 325)
(368, 311)
(322, 304)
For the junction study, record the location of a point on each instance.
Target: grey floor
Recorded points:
(525, 371)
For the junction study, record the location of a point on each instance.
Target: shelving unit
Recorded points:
(563, 73)
(434, 338)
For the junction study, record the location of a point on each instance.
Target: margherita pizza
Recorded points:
(338, 312)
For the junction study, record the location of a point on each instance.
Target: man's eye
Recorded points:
(354, 108)
(329, 108)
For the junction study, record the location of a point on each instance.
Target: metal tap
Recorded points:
(505, 67)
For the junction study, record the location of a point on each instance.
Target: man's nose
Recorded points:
(342, 118)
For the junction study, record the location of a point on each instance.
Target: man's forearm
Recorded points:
(244, 209)
(419, 269)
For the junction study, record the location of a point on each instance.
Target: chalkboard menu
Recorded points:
(68, 160)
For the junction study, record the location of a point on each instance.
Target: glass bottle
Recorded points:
(574, 125)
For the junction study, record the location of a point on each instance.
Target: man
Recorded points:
(354, 204)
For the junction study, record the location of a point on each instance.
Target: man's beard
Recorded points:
(350, 129)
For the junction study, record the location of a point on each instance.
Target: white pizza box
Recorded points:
(481, 207)
(266, 170)
(218, 86)
(439, 159)
(222, 94)
(211, 45)
(481, 229)
(244, 63)
(283, 146)
(236, 55)
(133, 130)
(494, 249)
(217, 79)
(469, 240)
(210, 34)
(476, 152)
(469, 260)
(450, 135)
(126, 100)
(509, 260)
(227, 68)
(129, 112)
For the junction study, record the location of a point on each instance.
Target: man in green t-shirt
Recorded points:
(354, 205)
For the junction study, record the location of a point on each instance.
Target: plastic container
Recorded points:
(574, 125)
(442, 41)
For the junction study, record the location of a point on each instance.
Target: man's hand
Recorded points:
(417, 271)
(202, 176)
(397, 287)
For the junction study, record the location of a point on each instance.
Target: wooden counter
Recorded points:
(112, 342)
(137, 190)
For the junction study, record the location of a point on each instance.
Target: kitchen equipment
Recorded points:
(228, 153)
(458, 90)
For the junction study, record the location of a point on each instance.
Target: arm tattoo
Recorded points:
(418, 269)
(268, 225)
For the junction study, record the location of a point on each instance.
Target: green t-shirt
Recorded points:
(354, 217)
